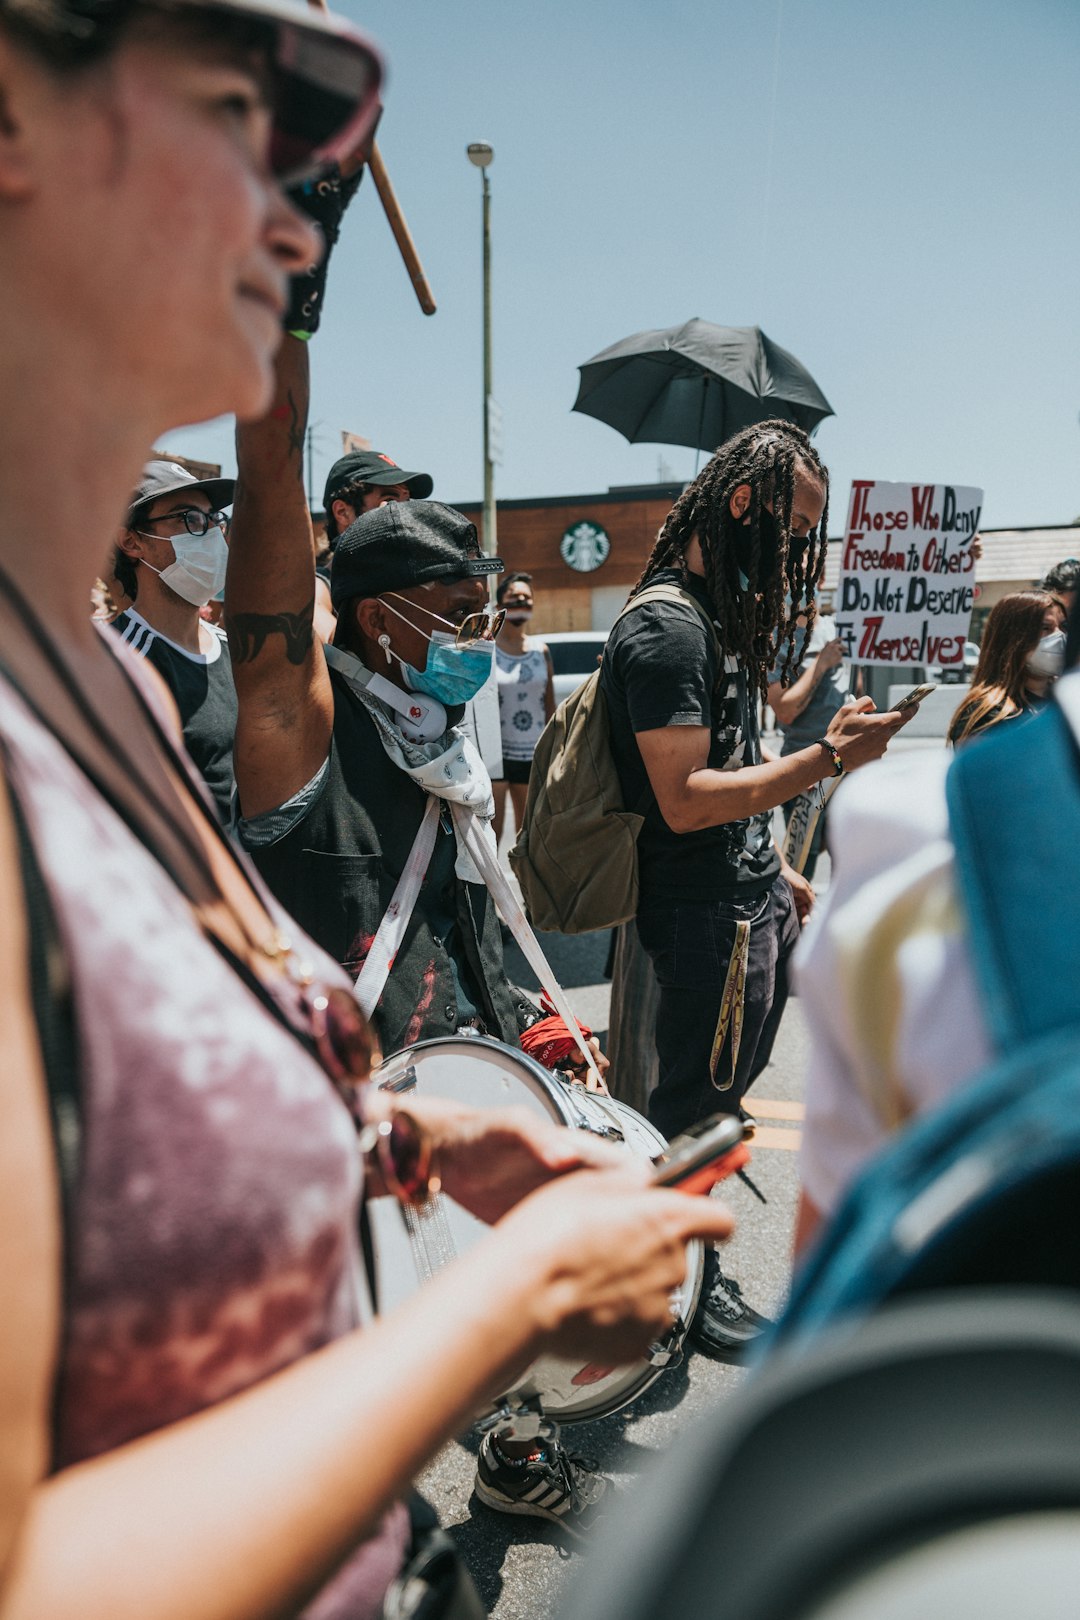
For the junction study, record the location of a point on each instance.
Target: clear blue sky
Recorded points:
(888, 190)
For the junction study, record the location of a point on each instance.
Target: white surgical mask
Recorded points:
(519, 615)
(1049, 655)
(198, 574)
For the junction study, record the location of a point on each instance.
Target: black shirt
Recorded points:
(205, 695)
(660, 668)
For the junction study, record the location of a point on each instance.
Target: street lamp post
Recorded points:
(480, 153)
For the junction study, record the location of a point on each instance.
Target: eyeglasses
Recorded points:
(194, 519)
(481, 626)
(349, 1051)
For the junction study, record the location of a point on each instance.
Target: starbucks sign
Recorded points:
(584, 547)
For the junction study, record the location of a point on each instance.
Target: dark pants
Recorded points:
(691, 947)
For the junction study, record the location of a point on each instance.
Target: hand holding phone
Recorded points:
(705, 1154)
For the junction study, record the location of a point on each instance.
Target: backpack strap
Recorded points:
(1014, 809)
(674, 593)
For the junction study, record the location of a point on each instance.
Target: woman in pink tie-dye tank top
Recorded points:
(198, 1415)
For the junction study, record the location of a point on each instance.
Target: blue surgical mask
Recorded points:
(451, 674)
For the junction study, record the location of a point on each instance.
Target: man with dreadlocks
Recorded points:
(718, 911)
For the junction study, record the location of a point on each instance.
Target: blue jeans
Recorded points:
(691, 948)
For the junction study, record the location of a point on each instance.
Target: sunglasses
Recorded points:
(349, 1050)
(481, 626)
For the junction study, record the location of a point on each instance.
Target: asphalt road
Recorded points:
(521, 1565)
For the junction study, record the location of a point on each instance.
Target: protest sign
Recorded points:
(907, 573)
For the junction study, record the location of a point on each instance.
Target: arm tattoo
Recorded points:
(296, 428)
(247, 633)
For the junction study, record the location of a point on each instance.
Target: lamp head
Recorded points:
(480, 153)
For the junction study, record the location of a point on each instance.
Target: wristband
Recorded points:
(834, 754)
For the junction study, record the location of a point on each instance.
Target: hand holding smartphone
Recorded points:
(705, 1154)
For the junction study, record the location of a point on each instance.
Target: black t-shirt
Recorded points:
(205, 695)
(660, 668)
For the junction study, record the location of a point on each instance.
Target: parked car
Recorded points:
(574, 656)
(955, 675)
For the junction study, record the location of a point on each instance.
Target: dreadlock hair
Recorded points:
(758, 621)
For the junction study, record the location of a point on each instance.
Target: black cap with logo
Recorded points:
(406, 543)
(372, 467)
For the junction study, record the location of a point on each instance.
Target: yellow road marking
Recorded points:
(765, 1108)
(774, 1136)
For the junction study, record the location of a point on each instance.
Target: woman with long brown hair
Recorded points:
(1023, 650)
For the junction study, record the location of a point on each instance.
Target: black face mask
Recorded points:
(768, 546)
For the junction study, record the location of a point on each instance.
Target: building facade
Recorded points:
(586, 551)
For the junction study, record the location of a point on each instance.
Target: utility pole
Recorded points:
(481, 153)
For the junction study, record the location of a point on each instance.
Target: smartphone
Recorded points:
(703, 1155)
(912, 699)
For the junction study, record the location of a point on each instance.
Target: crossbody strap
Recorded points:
(54, 1012)
(1014, 809)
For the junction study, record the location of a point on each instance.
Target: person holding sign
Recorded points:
(718, 912)
(805, 706)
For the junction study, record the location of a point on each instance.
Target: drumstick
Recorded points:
(369, 153)
(402, 234)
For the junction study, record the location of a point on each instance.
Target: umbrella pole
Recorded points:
(701, 427)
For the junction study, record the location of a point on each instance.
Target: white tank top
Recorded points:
(522, 682)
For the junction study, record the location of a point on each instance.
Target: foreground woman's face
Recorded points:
(178, 242)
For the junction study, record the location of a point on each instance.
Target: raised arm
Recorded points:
(282, 683)
(788, 702)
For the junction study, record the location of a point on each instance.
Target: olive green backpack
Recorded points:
(576, 851)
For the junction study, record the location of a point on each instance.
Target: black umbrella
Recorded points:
(697, 384)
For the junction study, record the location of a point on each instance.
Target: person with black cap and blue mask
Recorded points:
(348, 756)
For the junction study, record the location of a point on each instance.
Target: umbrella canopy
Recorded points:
(697, 384)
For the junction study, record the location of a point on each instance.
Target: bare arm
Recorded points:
(788, 702)
(282, 684)
(691, 796)
(241, 1512)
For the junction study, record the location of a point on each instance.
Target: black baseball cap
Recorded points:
(161, 478)
(372, 467)
(406, 543)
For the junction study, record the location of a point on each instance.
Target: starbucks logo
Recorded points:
(584, 547)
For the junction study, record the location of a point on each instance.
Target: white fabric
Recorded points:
(522, 681)
(889, 837)
(449, 767)
(372, 978)
(890, 841)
